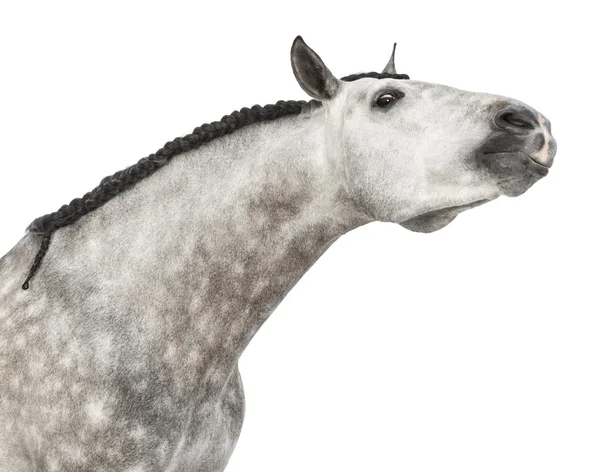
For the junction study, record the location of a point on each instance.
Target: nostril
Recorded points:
(516, 119)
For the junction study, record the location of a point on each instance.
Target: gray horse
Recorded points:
(122, 354)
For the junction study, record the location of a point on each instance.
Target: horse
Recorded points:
(123, 314)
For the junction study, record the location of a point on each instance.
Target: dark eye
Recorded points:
(385, 100)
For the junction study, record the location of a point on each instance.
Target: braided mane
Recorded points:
(113, 185)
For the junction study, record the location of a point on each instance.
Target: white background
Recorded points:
(476, 348)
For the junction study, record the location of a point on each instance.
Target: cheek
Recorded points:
(380, 176)
(374, 156)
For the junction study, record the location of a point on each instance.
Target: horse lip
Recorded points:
(533, 161)
(537, 162)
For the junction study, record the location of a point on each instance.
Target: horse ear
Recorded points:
(311, 72)
(390, 67)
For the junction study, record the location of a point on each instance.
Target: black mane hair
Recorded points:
(115, 184)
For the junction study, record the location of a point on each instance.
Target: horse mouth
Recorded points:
(514, 171)
(538, 163)
(437, 219)
(532, 161)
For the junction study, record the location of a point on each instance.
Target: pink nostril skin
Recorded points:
(545, 155)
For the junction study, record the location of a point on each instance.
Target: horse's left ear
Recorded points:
(311, 72)
(390, 67)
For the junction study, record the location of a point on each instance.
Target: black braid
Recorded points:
(124, 179)
(113, 185)
(38, 258)
(374, 75)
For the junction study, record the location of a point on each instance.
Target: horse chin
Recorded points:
(437, 219)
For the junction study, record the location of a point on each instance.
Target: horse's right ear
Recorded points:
(311, 72)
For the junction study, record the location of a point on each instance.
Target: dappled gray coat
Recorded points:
(122, 354)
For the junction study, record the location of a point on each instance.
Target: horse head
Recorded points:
(418, 153)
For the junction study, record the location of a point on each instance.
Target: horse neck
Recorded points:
(207, 247)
